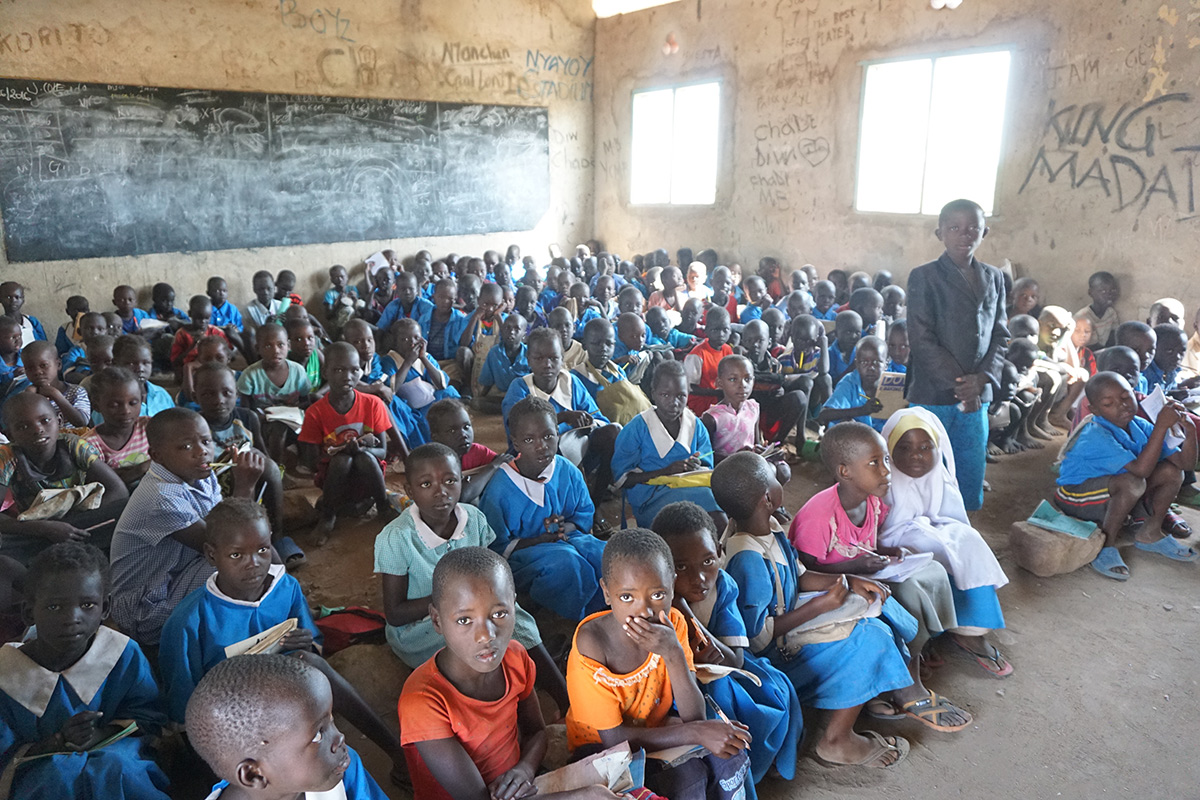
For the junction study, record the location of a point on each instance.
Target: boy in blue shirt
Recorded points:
(407, 305)
(847, 330)
(825, 300)
(225, 314)
(68, 333)
(505, 362)
(12, 298)
(1120, 465)
(854, 396)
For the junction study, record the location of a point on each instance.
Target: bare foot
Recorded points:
(1028, 442)
(1062, 423)
(1039, 433)
(995, 449)
(323, 529)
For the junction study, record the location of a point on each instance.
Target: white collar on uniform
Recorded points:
(32, 685)
(428, 536)
(535, 490)
(275, 570)
(398, 360)
(561, 393)
(662, 439)
(336, 793)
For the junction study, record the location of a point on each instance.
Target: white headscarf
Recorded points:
(927, 514)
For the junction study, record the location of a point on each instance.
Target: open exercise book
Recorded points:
(267, 642)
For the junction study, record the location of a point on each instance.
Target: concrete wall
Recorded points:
(792, 89)
(516, 52)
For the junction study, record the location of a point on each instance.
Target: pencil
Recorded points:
(100, 525)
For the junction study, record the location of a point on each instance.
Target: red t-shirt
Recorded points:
(709, 359)
(431, 709)
(325, 427)
(183, 349)
(477, 456)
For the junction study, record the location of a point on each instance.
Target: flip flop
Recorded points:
(1169, 547)
(1176, 525)
(290, 552)
(1188, 496)
(878, 708)
(1107, 561)
(883, 746)
(929, 710)
(995, 663)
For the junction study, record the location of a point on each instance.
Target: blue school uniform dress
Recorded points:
(841, 674)
(569, 395)
(1102, 449)
(644, 445)
(196, 636)
(356, 784)
(749, 314)
(443, 342)
(1154, 376)
(114, 678)
(587, 315)
(500, 370)
(678, 340)
(64, 341)
(421, 311)
(829, 314)
(563, 576)
(771, 711)
(134, 323)
(849, 394)
(838, 364)
(416, 390)
(6, 370)
(75, 357)
(407, 421)
(548, 300)
(894, 366)
(227, 314)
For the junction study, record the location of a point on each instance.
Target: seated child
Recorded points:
(837, 531)
(697, 281)
(12, 299)
(1191, 357)
(75, 684)
(1142, 339)
(722, 290)
(672, 296)
(468, 293)
(70, 402)
(700, 364)
(777, 328)
(1118, 465)
(506, 361)
(236, 429)
(847, 330)
(1104, 292)
(840, 675)
(868, 303)
(825, 300)
(631, 665)
(263, 309)
(806, 367)
(471, 722)
(1165, 311)
(859, 279)
(133, 353)
(769, 270)
(114, 323)
(588, 434)
(340, 300)
(99, 351)
(303, 350)
(1056, 326)
(733, 423)
(617, 397)
(225, 315)
(708, 599)
(538, 507)
(792, 305)
(1163, 371)
(75, 365)
(345, 441)
(894, 307)
(163, 308)
(525, 306)
(409, 548)
(1008, 413)
(10, 351)
(124, 300)
(562, 322)
(446, 327)
(157, 549)
(69, 334)
(1079, 341)
(926, 514)
(549, 295)
(631, 301)
(121, 437)
(691, 319)
(210, 349)
(1025, 298)
(358, 334)
(382, 293)
(183, 347)
(264, 724)
(285, 289)
(272, 381)
(477, 335)
(415, 377)
(854, 397)
(450, 425)
(783, 410)
(408, 305)
(757, 299)
(665, 440)
(36, 457)
(245, 597)
(660, 332)
(897, 346)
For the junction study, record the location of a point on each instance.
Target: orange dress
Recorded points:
(709, 359)
(601, 699)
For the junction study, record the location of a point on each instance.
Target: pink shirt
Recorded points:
(735, 430)
(134, 452)
(822, 529)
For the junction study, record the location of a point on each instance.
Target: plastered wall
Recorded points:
(1099, 154)
(519, 52)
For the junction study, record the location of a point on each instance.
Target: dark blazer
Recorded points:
(952, 331)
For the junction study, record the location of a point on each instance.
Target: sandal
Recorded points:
(883, 746)
(882, 709)
(929, 710)
(1169, 547)
(290, 552)
(1108, 561)
(1175, 525)
(994, 662)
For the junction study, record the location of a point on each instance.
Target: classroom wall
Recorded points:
(514, 52)
(1125, 201)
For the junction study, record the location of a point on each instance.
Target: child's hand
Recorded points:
(874, 405)
(299, 639)
(420, 348)
(835, 595)
(370, 440)
(58, 532)
(870, 562)
(503, 458)
(689, 464)
(555, 527)
(79, 729)
(657, 636)
(1169, 415)
(869, 590)
(516, 783)
(722, 739)
(576, 419)
(248, 468)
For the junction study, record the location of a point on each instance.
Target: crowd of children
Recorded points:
(142, 535)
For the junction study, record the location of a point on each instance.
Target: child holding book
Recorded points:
(121, 437)
(733, 423)
(856, 395)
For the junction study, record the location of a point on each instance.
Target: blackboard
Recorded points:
(100, 170)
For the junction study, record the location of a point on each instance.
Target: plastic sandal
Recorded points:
(1175, 525)
(928, 711)
(1169, 547)
(1107, 561)
(993, 661)
(290, 552)
(896, 744)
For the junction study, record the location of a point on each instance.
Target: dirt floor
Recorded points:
(1103, 693)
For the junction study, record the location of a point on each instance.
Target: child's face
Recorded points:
(406, 288)
(241, 554)
(302, 340)
(361, 339)
(1127, 368)
(804, 335)
(848, 332)
(68, 609)
(897, 343)
(489, 302)
(635, 589)
(1104, 293)
(309, 755)
(797, 304)
(658, 322)
(121, 404)
(871, 362)
(512, 330)
(670, 395)
(422, 270)
(755, 289)
(264, 290)
(215, 393)
(164, 301)
(455, 431)
(186, 450)
(501, 275)
(768, 268)
(526, 299)
(599, 344)
(439, 270)
(1023, 360)
(633, 333)
(776, 324)
(139, 362)
(697, 563)
(535, 438)
(468, 295)
(477, 617)
(443, 298)
(871, 312)
(755, 341)
(722, 285)
(218, 292)
(338, 277)
(825, 295)
(382, 280)
(99, 357)
(604, 289)
(342, 370)
(284, 284)
(735, 381)
(962, 232)
(92, 325)
(799, 281)
(671, 278)
(695, 278)
(1050, 332)
(12, 297)
(201, 314)
(114, 323)
(1025, 299)
(631, 303)
(562, 282)
(124, 300)
(1145, 345)
(272, 347)
(915, 453)
(869, 470)
(859, 280)
(893, 303)
(10, 338)
(689, 315)
(33, 428)
(717, 330)
(1116, 404)
(434, 486)
(1168, 355)
(42, 368)
(545, 360)
(564, 325)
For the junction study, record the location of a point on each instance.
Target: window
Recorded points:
(931, 132)
(673, 158)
